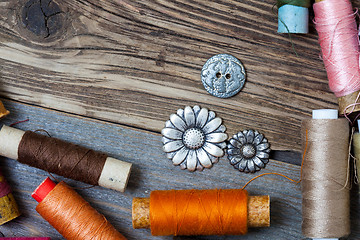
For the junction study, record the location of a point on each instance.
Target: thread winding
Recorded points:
(63, 158)
(325, 190)
(338, 38)
(73, 217)
(198, 212)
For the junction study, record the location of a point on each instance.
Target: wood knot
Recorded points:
(42, 17)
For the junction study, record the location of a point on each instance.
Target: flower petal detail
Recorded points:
(263, 146)
(250, 136)
(233, 151)
(258, 162)
(212, 125)
(180, 156)
(202, 117)
(178, 122)
(241, 138)
(191, 160)
(235, 143)
(242, 165)
(216, 137)
(235, 160)
(173, 146)
(262, 155)
(259, 137)
(251, 166)
(172, 133)
(213, 149)
(203, 158)
(189, 116)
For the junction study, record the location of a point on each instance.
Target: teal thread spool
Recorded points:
(293, 16)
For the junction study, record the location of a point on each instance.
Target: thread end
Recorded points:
(43, 190)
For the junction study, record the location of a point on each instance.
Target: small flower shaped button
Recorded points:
(194, 138)
(248, 151)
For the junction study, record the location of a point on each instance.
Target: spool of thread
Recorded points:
(356, 147)
(3, 111)
(25, 238)
(338, 38)
(71, 215)
(200, 212)
(325, 175)
(65, 159)
(293, 16)
(8, 207)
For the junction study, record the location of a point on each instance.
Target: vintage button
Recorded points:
(248, 151)
(194, 138)
(223, 76)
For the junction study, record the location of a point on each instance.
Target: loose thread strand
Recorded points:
(282, 175)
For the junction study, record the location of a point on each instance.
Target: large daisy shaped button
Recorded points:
(194, 138)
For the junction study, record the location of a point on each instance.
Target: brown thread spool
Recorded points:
(71, 215)
(65, 159)
(325, 176)
(258, 210)
(8, 207)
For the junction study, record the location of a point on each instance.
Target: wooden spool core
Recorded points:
(348, 100)
(258, 212)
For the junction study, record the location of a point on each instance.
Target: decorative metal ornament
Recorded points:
(248, 151)
(223, 76)
(194, 138)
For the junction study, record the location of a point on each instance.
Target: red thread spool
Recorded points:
(200, 212)
(71, 215)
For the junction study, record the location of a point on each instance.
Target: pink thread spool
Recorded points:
(338, 38)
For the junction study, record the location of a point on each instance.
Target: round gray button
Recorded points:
(223, 76)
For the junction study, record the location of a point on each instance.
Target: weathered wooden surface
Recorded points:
(136, 62)
(151, 171)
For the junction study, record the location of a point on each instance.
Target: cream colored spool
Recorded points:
(115, 173)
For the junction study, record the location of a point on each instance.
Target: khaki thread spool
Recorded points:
(356, 147)
(325, 176)
(200, 212)
(8, 207)
(40, 151)
(71, 215)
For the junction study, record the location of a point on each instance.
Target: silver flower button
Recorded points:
(194, 138)
(248, 151)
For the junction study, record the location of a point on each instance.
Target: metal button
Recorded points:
(248, 151)
(223, 76)
(194, 138)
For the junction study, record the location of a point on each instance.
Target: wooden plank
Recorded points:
(135, 63)
(151, 171)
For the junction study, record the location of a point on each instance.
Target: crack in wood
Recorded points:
(39, 16)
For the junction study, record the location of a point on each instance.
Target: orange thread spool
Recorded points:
(71, 215)
(200, 212)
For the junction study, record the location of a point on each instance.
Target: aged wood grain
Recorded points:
(136, 62)
(151, 171)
